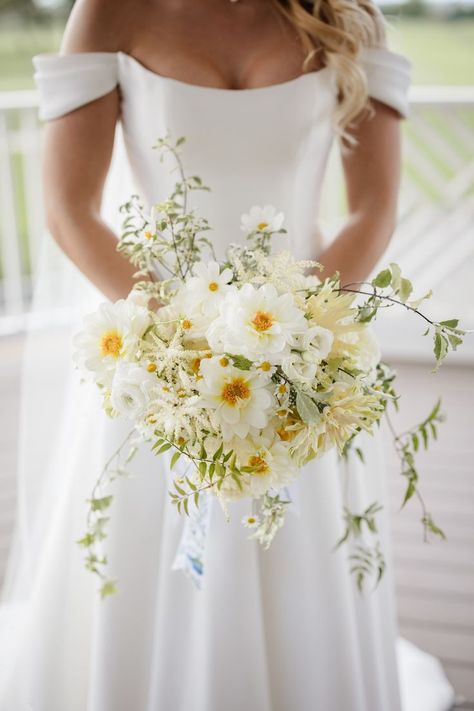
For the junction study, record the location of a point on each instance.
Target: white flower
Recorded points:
(208, 287)
(132, 390)
(271, 466)
(256, 321)
(369, 350)
(238, 399)
(315, 343)
(183, 311)
(297, 370)
(110, 334)
(250, 521)
(264, 219)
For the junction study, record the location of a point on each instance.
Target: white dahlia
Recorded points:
(110, 334)
(256, 321)
(239, 400)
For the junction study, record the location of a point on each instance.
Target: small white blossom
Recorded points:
(264, 219)
(207, 288)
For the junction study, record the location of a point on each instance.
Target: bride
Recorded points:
(260, 89)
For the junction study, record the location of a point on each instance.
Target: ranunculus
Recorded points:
(132, 390)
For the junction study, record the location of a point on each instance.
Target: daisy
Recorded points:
(250, 521)
(239, 400)
(209, 285)
(262, 219)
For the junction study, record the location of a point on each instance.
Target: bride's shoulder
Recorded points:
(101, 26)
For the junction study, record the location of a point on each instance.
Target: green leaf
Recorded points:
(164, 448)
(396, 276)
(382, 279)
(108, 588)
(102, 503)
(411, 488)
(240, 361)
(218, 452)
(440, 346)
(450, 323)
(174, 459)
(405, 289)
(307, 409)
(179, 489)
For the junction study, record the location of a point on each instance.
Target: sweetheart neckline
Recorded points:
(224, 90)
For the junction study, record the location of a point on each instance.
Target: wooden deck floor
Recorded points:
(435, 581)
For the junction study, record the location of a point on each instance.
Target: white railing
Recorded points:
(433, 242)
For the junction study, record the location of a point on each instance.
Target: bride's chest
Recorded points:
(249, 131)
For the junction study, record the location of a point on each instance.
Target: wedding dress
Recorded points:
(277, 630)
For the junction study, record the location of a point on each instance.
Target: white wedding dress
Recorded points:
(277, 630)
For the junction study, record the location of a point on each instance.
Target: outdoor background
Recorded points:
(433, 242)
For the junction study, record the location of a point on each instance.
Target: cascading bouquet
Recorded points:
(248, 369)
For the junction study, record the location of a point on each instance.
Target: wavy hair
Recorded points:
(336, 31)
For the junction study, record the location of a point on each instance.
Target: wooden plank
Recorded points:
(462, 679)
(454, 613)
(455, 646)
(413, 574)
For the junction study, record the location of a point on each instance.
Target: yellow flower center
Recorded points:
(148, 234)
(262, 321)
(213, 286)
(265, 366)
(282, 389)
(111, 343)
(259, 464)
(224, 362)
(151, 367)
(236, 390)
(186, 324)
(251, 519)
(262, 225)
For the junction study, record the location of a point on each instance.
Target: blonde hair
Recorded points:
(337, 31)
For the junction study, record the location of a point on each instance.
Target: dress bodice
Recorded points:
(266, 145)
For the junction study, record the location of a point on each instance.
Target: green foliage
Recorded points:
(407, 445)
(307, 408)
(173, 236)
(390, 288)
(96, 562)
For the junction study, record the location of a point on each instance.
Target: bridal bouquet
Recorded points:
(248, 369)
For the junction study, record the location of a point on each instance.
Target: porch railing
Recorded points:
(433, 241)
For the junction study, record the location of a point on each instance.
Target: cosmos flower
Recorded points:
(263, 219)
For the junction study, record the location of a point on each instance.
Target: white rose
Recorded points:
(297, 370)
(132, 390)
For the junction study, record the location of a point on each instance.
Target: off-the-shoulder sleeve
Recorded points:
(388, 77)
(67, 81)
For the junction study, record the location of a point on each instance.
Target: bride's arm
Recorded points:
(76, 158)
(372, 177)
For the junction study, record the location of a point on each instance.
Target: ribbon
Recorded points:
(191, 549)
